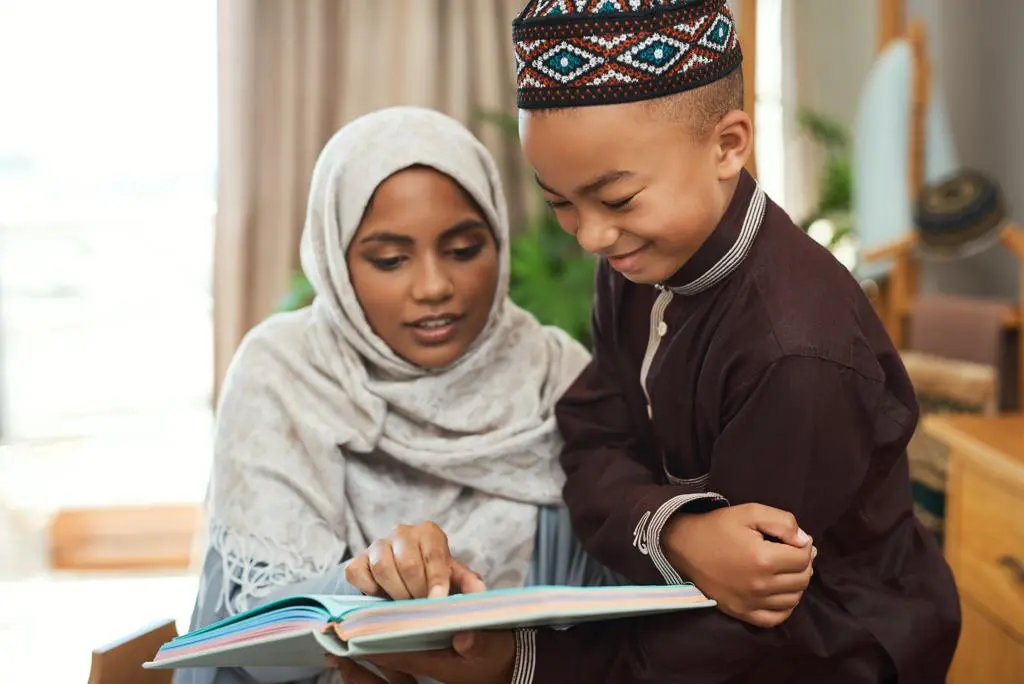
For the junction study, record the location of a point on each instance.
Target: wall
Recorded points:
(976, 50)
(830, 51)
(835, 45)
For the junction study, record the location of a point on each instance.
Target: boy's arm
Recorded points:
(618, 504)
(805, 437)
(803, 442)
(699, 647)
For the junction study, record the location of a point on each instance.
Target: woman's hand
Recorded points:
(413, 562)
(474, 658)
(351, 672)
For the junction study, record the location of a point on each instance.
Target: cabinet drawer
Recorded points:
(990, 558)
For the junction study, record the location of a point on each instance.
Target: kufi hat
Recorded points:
(959, 215)
(574, 53)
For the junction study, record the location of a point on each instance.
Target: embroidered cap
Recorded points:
(574, 53)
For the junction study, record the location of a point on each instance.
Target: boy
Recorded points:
(733, 358)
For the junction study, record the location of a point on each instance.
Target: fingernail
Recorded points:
(802, 537)
(462, 642)
(814, 552)
(436, 592)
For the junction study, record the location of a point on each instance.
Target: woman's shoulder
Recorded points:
(271, 343)
(530, 341)
(525, 325)
(286, 329)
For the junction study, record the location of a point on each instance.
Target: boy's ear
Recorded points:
(734, 143)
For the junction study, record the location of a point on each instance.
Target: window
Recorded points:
(107, 167)
(770, 112)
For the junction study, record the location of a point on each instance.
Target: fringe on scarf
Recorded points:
(254, 566)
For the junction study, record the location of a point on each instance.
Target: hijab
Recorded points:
(326, 439)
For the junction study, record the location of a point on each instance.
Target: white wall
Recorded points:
(829, 48)
(835, 45)
(977, 54)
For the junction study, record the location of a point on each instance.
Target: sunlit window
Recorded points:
(770, 112)
(107, 167)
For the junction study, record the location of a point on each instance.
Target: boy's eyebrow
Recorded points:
(593, 186)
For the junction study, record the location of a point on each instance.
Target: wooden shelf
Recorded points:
(124, 537)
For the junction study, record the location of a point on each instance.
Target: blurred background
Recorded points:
(154, 163)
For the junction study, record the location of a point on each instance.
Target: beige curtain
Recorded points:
(290, 74)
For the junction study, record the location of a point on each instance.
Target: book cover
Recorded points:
(300, 630)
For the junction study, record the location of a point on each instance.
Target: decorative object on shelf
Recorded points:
(959, 215)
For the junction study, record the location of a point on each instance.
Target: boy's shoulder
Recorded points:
(791, 297)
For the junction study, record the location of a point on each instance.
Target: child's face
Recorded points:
(632, 186)
(424, 265)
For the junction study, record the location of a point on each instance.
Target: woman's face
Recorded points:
(424, 265)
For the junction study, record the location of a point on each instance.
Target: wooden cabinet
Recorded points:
(984, 542)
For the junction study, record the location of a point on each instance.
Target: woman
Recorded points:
(412, 389)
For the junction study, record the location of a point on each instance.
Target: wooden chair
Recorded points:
(895, 291)
(901, 289)
(121, 662)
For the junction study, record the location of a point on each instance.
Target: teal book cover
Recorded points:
(299, 631)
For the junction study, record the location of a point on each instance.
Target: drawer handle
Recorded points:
(1014, 564)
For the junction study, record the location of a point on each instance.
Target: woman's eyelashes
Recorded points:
(386, 263)
(460, 253)
(468, 252)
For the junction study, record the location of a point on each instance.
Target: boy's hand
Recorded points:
(725, 553)
(414, 562)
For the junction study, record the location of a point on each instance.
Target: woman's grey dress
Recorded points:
(558, 559)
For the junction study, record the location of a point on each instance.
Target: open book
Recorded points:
(300, 630)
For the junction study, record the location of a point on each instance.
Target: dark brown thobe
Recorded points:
(768, 378)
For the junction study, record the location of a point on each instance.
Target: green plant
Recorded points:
(299, 294)
(551, 277)
(835, 194)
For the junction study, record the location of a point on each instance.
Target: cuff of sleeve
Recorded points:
(554, 656)
(650, 533)
(526, 656)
